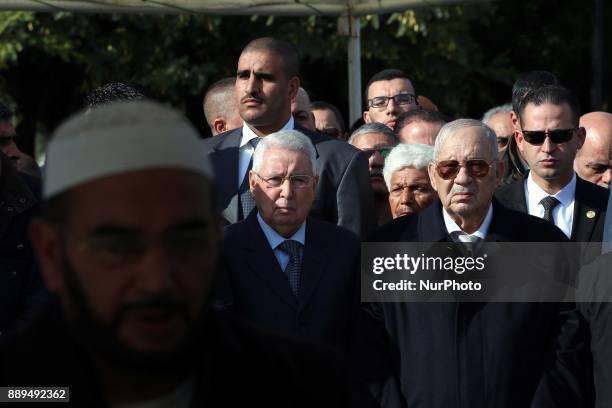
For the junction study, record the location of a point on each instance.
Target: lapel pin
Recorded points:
(590, 214)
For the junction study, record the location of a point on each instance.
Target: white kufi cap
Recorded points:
(118, 138)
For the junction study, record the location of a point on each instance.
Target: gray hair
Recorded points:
(451, 128)
(285, 139)
(413, 155)
(486, 118)
(373, 127)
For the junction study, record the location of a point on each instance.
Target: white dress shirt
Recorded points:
(563, 213)
(275, 239)
(481, 232)
(245, 151)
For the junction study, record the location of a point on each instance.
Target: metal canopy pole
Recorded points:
(350, 26)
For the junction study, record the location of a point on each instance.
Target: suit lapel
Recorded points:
(517, 198)
(225, 163)
(585, 215)
(313, 265)
(262, 262)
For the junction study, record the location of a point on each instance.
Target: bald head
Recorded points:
(302, 110)
(594, 160)
(221, 106)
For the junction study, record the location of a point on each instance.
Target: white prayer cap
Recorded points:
(119, 138)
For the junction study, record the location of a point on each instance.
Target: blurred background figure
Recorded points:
(301, 110)
(407, 180)
(500, 120)
(376, 140)
(419, 126)
(221, 107)
(23, 162)
(328, 119)
(114, 92)
(426, 103)
(594, 160)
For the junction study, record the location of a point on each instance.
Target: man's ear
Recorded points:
(294, 86)
(46, 241)
(581, 134)
(219, 125)
(252, 176)
(514, 120)
(519, 139)
(499, 171)
(431, 168)
(366, 117)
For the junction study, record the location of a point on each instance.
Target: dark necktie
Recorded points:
(472, 243)
(292, 248)
(247, 203)
(549, 203)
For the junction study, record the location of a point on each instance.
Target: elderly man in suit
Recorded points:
(473, 354)
(266, 83)
(548, 138)
(280, 269)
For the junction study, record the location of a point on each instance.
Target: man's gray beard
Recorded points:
(101, 340)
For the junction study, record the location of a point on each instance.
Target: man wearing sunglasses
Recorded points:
(486, 354)
(376, 141)
(548, 138)
(389, 93)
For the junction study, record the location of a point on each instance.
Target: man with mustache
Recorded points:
(594, 160)
(267, 80)
(548, 138)
(129, 246)
(388, 94)
(376, 141)
(486, 354)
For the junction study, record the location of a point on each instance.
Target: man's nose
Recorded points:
(391, 106)
(548, 145)
(286, 189)
(406, 197)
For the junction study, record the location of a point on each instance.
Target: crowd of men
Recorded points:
(163, 270)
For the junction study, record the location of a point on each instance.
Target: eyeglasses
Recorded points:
(448, 169)
(557, 136)
(383, 151)
(381, 102)
(296, 180)
(502, 141)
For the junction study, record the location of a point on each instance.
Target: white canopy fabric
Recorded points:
(227, 7)
(348, 23)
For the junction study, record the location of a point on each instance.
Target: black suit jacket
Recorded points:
(344, 195)
(590, 206)
(474, 354)
(253, 286)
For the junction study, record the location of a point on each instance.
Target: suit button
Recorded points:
(22, 200)
(9, 208)
(14, 273)
(19, 246)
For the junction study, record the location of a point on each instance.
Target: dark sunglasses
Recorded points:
(448, 169)
(383, 151)
(537, 137)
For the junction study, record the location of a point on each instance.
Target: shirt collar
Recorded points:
(535, 193)
(248, 133)
(451, 225)
(275, 239)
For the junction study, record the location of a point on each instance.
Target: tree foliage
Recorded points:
(464, 57)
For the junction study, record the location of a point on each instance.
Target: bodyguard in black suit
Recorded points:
(474, 354)
(267, 81)
(257, 279)
(548, 139)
